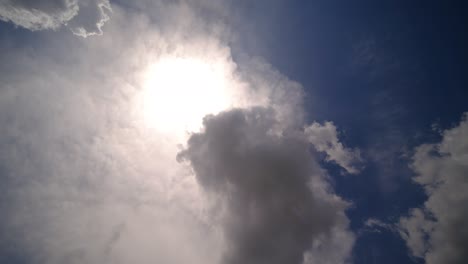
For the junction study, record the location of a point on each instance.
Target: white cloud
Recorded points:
(325, 139)
(83, 17)
(38, 15)
(84, 180)
(377, 226)
(438, 231)
(91, 18)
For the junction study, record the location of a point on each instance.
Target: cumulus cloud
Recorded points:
(276, 204)
(325, 139)
(83, 17)
(83, 180)
(86, 180)
(438, 232)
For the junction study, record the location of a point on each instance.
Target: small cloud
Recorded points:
(377, 226)
(325, 139)
(91, 18)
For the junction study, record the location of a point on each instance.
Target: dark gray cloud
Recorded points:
(438, 232)
(273, 194)
(83, 17)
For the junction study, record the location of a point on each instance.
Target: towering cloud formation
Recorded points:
(84, 179)
(83, 17)
(438, 232)
(275, 200)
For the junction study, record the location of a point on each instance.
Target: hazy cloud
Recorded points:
(325, 139)
(438, 232)
(276, 204)
(86, 180)
(83, 17)
(83, 179)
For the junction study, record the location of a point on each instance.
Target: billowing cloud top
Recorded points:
(272, 191)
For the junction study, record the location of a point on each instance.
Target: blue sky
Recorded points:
(389, 75)
(385, 72)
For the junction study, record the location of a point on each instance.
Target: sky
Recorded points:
(233, 132)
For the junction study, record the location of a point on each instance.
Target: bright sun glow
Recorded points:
(179, 92)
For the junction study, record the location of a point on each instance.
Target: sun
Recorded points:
(178, 92)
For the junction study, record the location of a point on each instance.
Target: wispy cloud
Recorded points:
(325, 139)
(83, 17)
